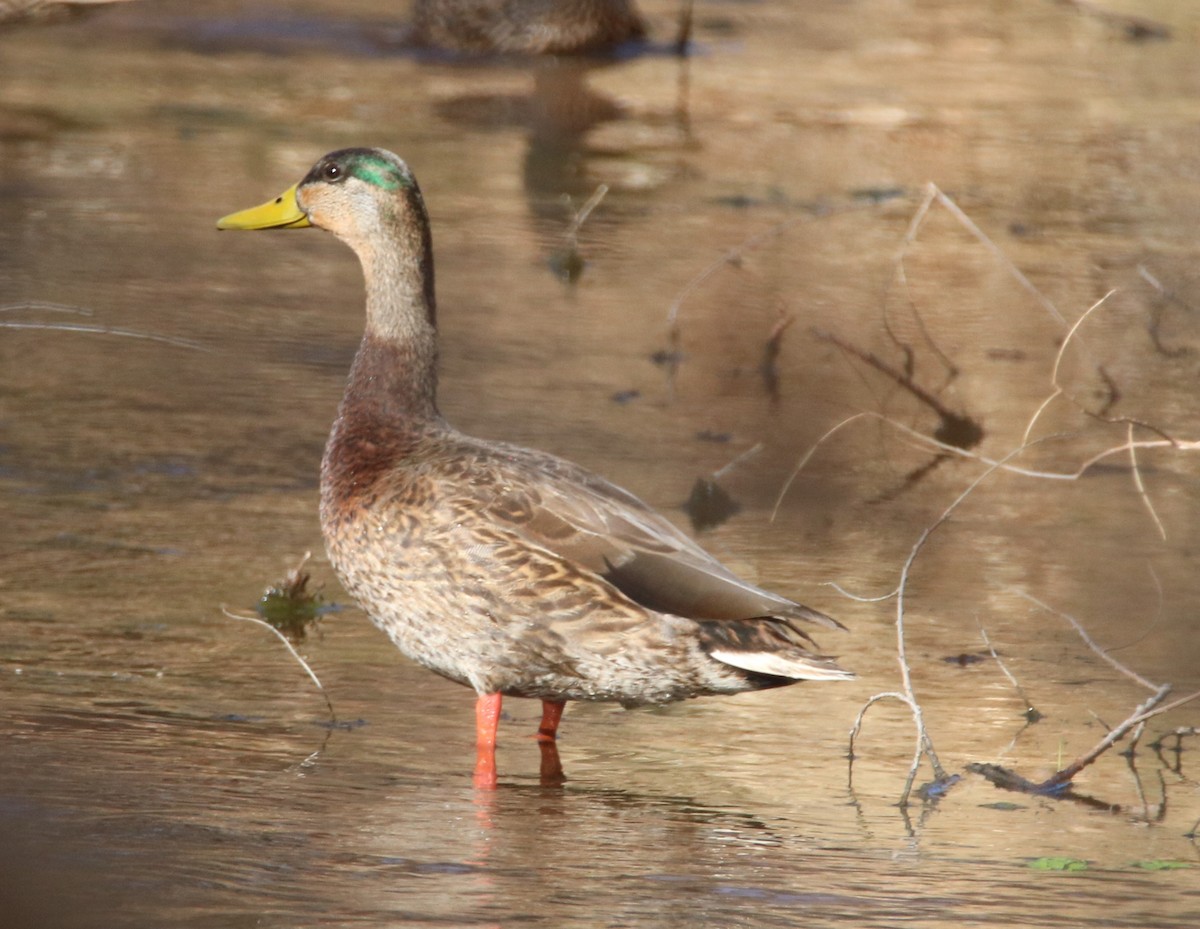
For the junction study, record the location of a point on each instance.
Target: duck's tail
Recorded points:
(771, 647)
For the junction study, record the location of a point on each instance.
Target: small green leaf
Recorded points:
(1057, 863)
(1162, 864)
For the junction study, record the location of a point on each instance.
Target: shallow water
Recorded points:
(165, 765)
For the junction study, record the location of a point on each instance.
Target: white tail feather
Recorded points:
(779, 665)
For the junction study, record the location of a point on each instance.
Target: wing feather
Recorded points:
(582, 517)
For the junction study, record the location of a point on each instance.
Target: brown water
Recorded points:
(162, 765)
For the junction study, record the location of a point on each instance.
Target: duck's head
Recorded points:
(369, 199)
(355, 193)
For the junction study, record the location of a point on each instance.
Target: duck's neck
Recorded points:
(394, 376)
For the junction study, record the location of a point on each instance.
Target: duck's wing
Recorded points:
(561, 507)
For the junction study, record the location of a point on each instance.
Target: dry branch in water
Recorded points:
(1059, 782)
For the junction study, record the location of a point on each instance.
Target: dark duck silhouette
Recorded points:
(525, 27)
(506, 569)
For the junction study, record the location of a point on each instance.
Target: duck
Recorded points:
(525, 27)
(509, 570)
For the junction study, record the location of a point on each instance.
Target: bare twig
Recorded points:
(1031, 712)
(738, 460)
(107, 330)
(934, 193)
(291, 648)
(908, 696)
(922, 736)
(1057, 389)
(585, 211)
(787, 484)
(1088, 640)
(1136, 474)
(1064, 776)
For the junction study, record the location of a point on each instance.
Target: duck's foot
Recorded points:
(487, 721)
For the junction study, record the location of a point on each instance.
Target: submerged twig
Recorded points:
(957, 429)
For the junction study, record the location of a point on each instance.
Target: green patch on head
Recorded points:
(379, 170)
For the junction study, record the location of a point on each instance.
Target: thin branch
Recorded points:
(108, 330)
(933, 192)
(585, 211)
(858, 598)
(291, 648)
(1142, 712)
(921, 737)
(787, 484)
(1031, 712)
(1088, 640)
(740, 459)
(1058, 389)
(43, 306)
(1136, 474)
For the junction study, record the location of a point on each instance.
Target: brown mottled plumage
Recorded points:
(503, 568)
(525, 27)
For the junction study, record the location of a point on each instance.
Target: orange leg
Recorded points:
(487, 721)
(552, 711)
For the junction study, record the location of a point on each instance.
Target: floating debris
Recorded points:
(966, 658)
(290, 607)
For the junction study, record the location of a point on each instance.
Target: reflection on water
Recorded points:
(165, 765)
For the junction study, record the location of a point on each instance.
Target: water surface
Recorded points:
(165, 765)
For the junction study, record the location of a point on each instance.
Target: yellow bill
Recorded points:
(281, 213)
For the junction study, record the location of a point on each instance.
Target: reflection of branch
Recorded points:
(1168, 297)
(957, 429)
(769, 367)
(671, 357)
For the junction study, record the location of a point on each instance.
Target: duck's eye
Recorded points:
(332, 172)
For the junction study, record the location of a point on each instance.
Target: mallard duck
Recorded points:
(506, 569)
(525, 27)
